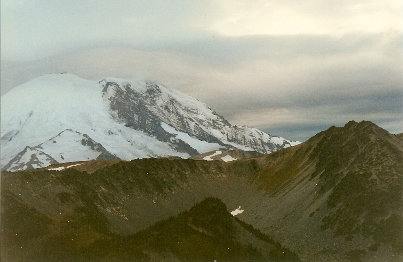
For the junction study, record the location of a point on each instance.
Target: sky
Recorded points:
(290, 68)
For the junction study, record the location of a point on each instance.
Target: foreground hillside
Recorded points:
(206, 232)
(336, 197)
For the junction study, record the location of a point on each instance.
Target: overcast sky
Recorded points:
(291, 68)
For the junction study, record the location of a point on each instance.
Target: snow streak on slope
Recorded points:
(200, 146)
(62, 167)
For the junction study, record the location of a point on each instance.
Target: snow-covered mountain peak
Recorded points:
(29, 158)
(127, 118)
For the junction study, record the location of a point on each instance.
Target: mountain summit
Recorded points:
(43, 119)
(343, 193)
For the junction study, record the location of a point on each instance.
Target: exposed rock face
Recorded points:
(145, 108)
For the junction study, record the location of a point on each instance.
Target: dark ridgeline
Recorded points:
(336, 197)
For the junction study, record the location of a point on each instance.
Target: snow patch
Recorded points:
(228, 158)
(209, 158)
(237, 211)
(62, 167)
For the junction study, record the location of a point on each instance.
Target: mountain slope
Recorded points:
(70, 146)
(206, 232)
(219, 236)
(336, 197)
(129, 119)
(345, 185)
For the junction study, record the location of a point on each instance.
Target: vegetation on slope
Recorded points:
(359, 168)
(206, 232)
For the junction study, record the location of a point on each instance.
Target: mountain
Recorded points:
(67, 146)
(335, 197)
(30, 157)
(342, 190)
(124, 119)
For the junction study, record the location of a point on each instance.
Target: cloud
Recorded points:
(285, 66)
(280, 81)
(36, 29)
(264, 17)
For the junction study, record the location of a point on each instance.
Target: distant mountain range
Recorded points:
(60, 118)
(335, 197)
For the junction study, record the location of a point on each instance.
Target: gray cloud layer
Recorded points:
(293, 84)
